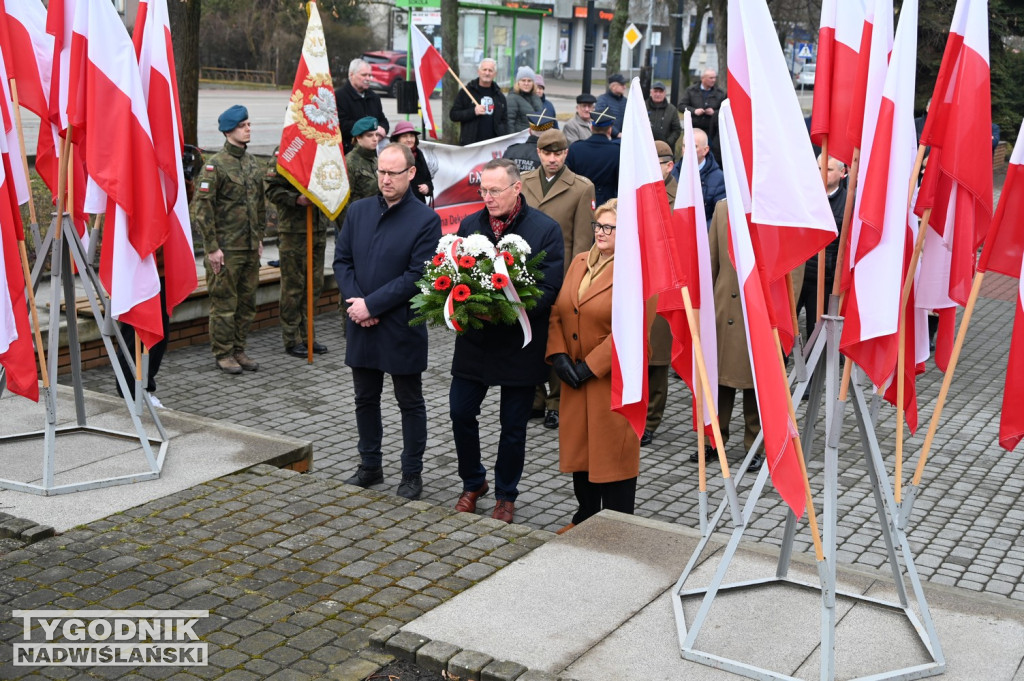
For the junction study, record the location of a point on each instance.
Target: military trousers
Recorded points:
(751, 419)
(292, 248)
(232, 300)
(657, 395)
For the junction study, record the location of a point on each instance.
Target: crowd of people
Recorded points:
(557, 191)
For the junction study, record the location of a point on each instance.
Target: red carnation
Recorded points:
(509, 260)
(460, 293)
(438, 260)
(442, 283)
(467, 261)
(500, 281)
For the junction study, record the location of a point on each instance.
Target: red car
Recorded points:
(388, 70)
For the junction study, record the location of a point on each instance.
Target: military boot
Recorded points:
(244, 361)
(228, 365)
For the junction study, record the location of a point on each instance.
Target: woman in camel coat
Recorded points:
(596, 445)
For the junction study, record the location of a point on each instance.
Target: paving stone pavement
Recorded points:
(297, 572)
(967, 529)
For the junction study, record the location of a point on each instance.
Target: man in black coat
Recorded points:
(356, 100)
(597, 157)
(378, 258)
(488, 117)
(703, 100)
(808, 300)
(494, 355)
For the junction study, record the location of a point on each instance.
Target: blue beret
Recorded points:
(230, 119)
(364, 124)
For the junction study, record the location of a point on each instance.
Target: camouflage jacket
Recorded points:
(362, 173)
(291, 217)
(228, 209)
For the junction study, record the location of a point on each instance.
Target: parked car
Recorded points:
(388, 70)
(805, 79)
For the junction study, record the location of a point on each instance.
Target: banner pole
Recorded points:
(309, 284)
(463, 86)
(844, 233)
(820, 297)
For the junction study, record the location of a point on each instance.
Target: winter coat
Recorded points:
(473, 128)
(664, 122)
(576, 129)
(379, 256)
(616, 105)
(422, 176)
(494, 355)
(597, 159)
(695, 97)
(570, 203)
(591, 437)
(712, 185)
(549, 109)
(352, 106)
(520, 104)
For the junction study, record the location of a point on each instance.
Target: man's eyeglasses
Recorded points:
(484, 193)
(604, 229)
(391, 173)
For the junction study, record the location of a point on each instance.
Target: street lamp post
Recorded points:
(677, 53)
(588, 48)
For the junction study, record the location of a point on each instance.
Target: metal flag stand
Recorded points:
(63, 245)
(823, 349)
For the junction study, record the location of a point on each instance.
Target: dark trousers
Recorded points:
(464, 400)
(593, 496)
(657, 396)
(156, 353)
(369, 383)
(751, 419)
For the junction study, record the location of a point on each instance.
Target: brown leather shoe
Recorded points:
(244, 361)
(467, 500)
(228, 365)
(504, 510)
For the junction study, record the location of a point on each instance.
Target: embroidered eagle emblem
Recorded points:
(322, 108)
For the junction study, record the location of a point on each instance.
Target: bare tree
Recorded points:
(450, 48)
(184, 16)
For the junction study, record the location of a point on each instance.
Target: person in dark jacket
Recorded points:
(703, 100)
(494, 355)
(808, 299)
(487, 118)
(524, 154)
(523, 100)
(597, 157)
(614, 100)
(356, 100)
(407, 134)
(664, 117)
(378, 258)
(712, 181)
(548, 107)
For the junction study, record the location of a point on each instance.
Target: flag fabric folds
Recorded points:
(839, 36)
(430, 68)
(155, 53)
(870, 334)
(108, 107)
(690, 225)
(310, 156)
(769, 381)
(644, 227)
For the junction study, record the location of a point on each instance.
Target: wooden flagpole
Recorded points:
(463, 86)
(820, 297)
(309, 284)
(844, 235)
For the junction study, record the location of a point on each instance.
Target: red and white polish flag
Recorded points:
(1004, 253)
(790, 215)
(957, 183)
(839, 36)
(769, 381)
(430, 68)
(16, 351)
(153, 48)
(690, 224)
(870, 334)
(645, 245)
(107, 99)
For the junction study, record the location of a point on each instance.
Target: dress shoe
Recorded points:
(566, 528)
(244, 361)
(467, 500)
(537, 413)
(411, 486)
(319, 348)
(228, 365)
(365, 477)
(504, 510)
(755, 463)
(297, 350)
(551, 419)
(647, 438)
(710, 454)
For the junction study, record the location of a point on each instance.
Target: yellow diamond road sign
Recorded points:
(632, 36)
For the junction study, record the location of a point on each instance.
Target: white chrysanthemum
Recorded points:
(477, 245)
(514, 241)
(445, 244)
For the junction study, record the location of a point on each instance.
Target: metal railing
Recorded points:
(223, 75)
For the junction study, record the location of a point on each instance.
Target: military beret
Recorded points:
(364, 125)
(586, 98)
(230, 119)
(602, 119)
(552, 140)
(617, 78)
(664, 150)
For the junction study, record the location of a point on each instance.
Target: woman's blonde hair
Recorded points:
(609, 206)
(533, 90)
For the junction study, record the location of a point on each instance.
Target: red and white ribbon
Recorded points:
(449, 304)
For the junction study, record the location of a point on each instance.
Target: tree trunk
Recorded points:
(720, 11)
(184, 16)
(693, 33)
(450, 50)
(615, 31)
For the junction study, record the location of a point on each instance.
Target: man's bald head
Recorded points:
(836, 172)
(708, 78)
(700, 140)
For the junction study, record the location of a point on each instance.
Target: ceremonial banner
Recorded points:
(456, 174)
(430, 69)
(310, 156)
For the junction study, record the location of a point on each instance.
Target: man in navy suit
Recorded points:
(378, 258)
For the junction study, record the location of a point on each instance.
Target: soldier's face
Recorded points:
(552, 160)
(368, 140)
(241, 135)
(393, 175)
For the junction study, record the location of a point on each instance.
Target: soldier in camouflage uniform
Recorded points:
(291, 238)
(230, 215)
(361, 163)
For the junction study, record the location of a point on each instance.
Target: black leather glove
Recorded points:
(565, 370)
(583, 372)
